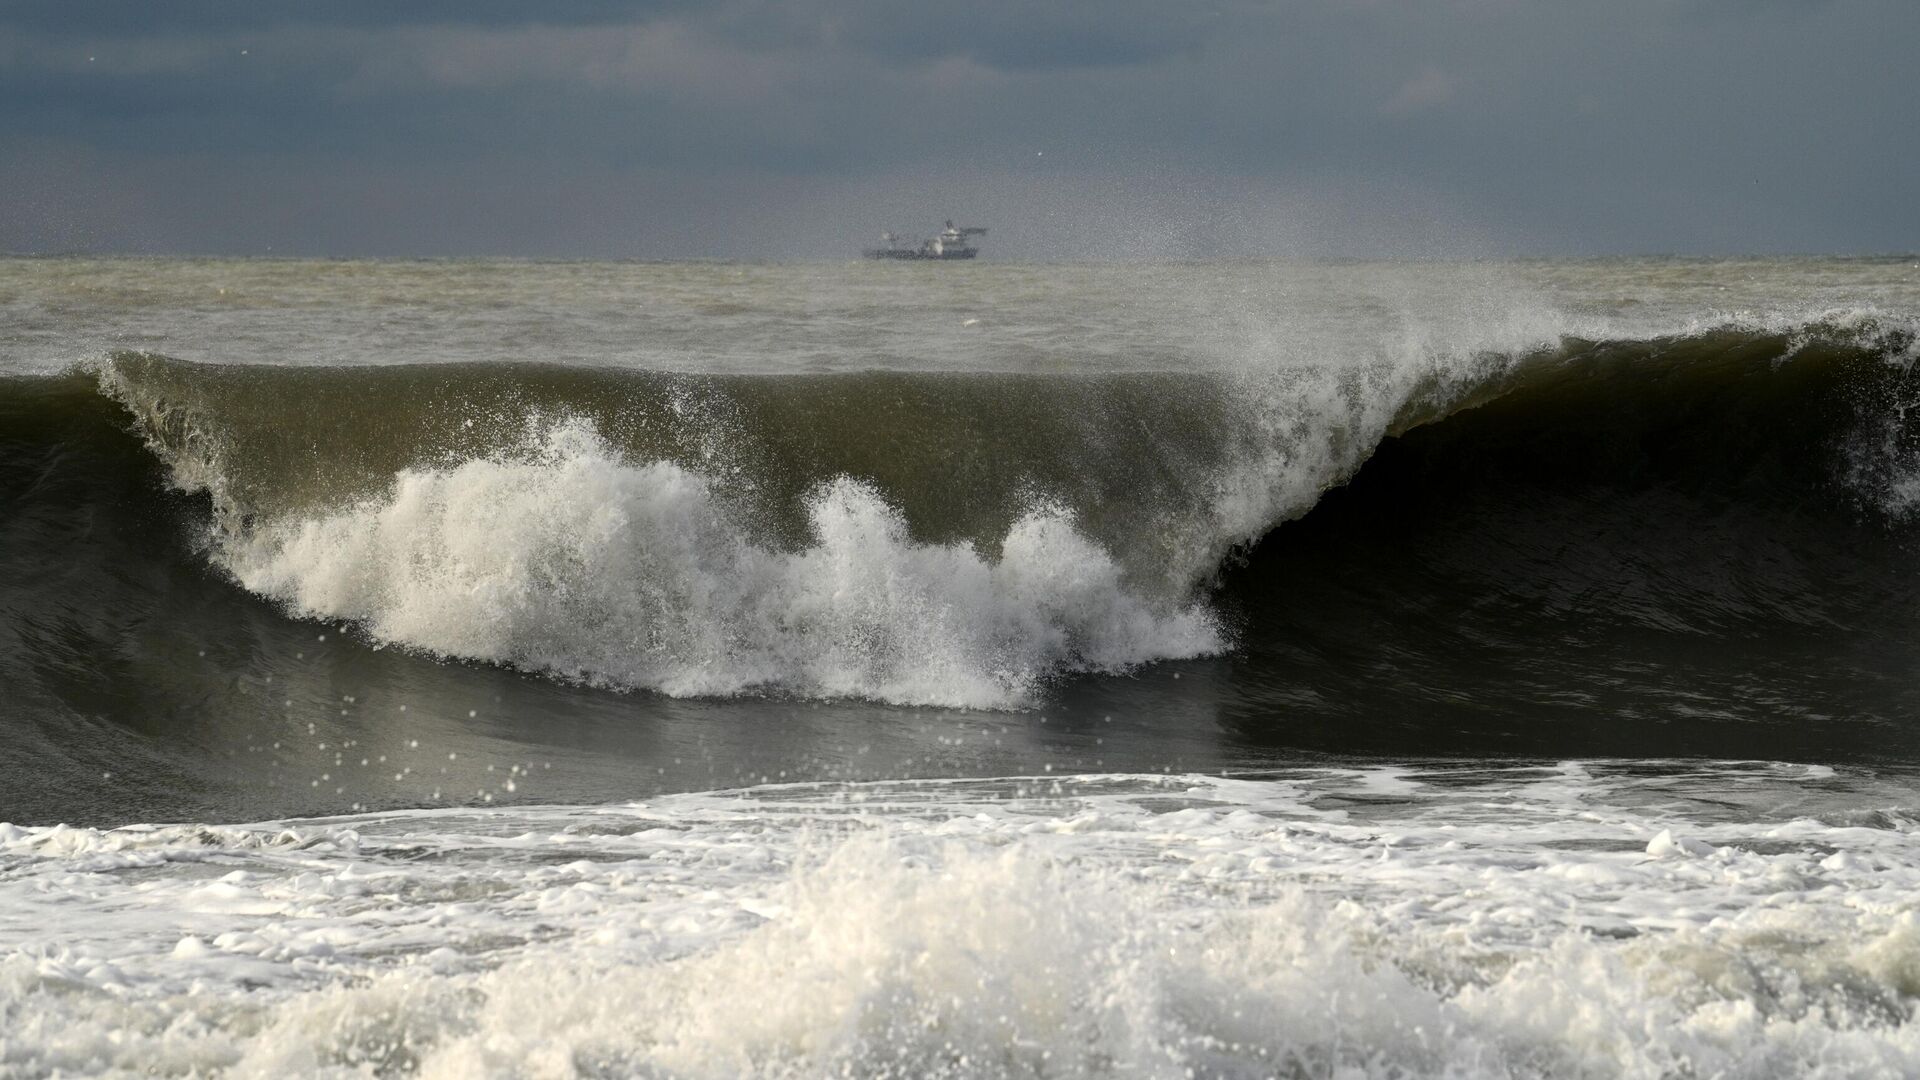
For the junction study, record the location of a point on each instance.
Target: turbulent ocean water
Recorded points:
(710, 670)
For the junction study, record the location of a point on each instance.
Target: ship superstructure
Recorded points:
(954, 242)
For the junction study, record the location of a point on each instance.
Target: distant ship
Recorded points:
(952, 243)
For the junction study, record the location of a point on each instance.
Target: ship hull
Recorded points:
(910, 254)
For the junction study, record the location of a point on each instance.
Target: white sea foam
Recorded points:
(1480, 922)
(575, 562)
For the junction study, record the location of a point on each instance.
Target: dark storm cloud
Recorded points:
(1004, 34)
(754, 127)
(110, 18)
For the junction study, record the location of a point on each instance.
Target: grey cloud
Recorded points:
(121, 18)
(1539, 126)
(1017, 35)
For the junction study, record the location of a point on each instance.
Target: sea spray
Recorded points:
(578, 564)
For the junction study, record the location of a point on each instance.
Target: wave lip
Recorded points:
(578, 564)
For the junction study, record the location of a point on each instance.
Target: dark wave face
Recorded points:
(1703, 545)
(1698, 543)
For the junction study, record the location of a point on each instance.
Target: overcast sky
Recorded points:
(801, 128)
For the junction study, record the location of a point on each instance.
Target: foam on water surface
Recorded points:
(1592, 919)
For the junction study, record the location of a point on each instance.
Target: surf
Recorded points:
(971, 539)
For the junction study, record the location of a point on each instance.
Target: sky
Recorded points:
(800, 129)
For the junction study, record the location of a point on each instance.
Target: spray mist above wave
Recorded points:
(579, 564)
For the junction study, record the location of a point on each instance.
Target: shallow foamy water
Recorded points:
(1588, 919)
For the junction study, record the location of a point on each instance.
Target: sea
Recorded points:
(1205, 669)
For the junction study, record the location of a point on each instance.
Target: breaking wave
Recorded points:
(940, 539)
(579, 564)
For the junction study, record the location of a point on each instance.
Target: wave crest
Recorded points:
(948, 538)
